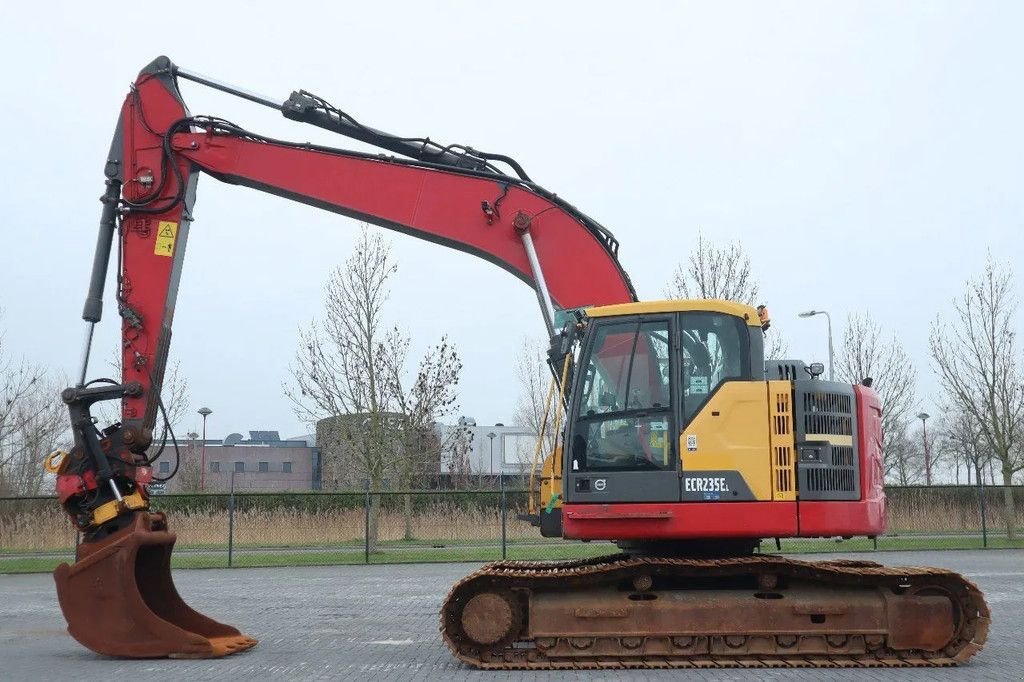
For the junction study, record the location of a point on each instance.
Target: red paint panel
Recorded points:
(827, 519)
(432, 204)
(869, 428)
(679, 520)
(867, 516)
(147, 274)
(437, 205)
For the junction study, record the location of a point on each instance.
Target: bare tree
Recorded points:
(431, 396)
(534, 378)
(176, 398)
(457, 445)
(350, 370)
(929, 458)
(340, 367)
(775, 347)
(725, 273)
(33, 423)
(19, 383)
(906, 467)
(965, 440)
(714, 271)
(864, 354)
(181, 454)
(190, 473)
(978, 364)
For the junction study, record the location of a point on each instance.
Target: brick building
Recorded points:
(263, 462)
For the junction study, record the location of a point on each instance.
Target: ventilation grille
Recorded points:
(831, 480)
(783, 455)
(842, 455)
(828, 413)
(782, 414)
(785, 370)
(824, 419)
(827, 402)
(783, 469)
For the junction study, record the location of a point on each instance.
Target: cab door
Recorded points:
(724, 439)
(622, 444)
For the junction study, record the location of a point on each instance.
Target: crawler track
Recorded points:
(505, 592)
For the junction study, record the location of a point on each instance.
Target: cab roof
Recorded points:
(741, 310)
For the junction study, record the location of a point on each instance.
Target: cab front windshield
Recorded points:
(626, 417)
(626, 407)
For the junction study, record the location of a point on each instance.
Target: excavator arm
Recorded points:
(452, 195)
(459, 200)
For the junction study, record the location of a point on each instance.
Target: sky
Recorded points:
(867, 155)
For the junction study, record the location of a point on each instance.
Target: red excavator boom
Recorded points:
(162, 149)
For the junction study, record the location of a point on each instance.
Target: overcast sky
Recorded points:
(865, 154)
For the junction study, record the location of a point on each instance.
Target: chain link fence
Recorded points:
(303, 529)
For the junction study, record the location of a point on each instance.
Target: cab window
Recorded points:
(714, 349)
(626, 409)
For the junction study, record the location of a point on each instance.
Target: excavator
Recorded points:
(674, 438)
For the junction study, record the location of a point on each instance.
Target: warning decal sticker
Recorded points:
(165, 236)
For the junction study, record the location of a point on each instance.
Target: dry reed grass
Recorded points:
(44, 526)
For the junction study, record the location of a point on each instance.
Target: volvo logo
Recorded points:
(600, 484)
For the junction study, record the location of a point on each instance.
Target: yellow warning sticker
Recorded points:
(165, 236)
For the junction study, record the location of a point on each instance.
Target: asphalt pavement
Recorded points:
(380, 623)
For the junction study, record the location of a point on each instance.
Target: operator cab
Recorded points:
(645, 370)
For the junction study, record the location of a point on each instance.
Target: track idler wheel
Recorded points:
(492, 619)
(119, 599)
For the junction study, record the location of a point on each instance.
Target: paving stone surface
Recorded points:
(380, 623)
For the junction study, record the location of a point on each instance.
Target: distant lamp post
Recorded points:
(492, 435)
(831, 354)
(205, 412)
(927, 455)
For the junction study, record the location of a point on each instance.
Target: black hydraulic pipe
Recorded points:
(301, 107)
(93, 309)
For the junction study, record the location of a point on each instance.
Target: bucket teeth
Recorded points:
(119, 599)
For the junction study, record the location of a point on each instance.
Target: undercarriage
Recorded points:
(624, 611)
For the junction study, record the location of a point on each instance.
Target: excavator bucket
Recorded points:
(119, 600)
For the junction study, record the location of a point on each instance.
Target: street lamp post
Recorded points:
(492, 435)
(927, 455)
(205, 412)
(831, 353)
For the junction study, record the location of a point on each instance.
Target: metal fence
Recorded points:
(326, 528)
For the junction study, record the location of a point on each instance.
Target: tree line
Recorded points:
(353, 368)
